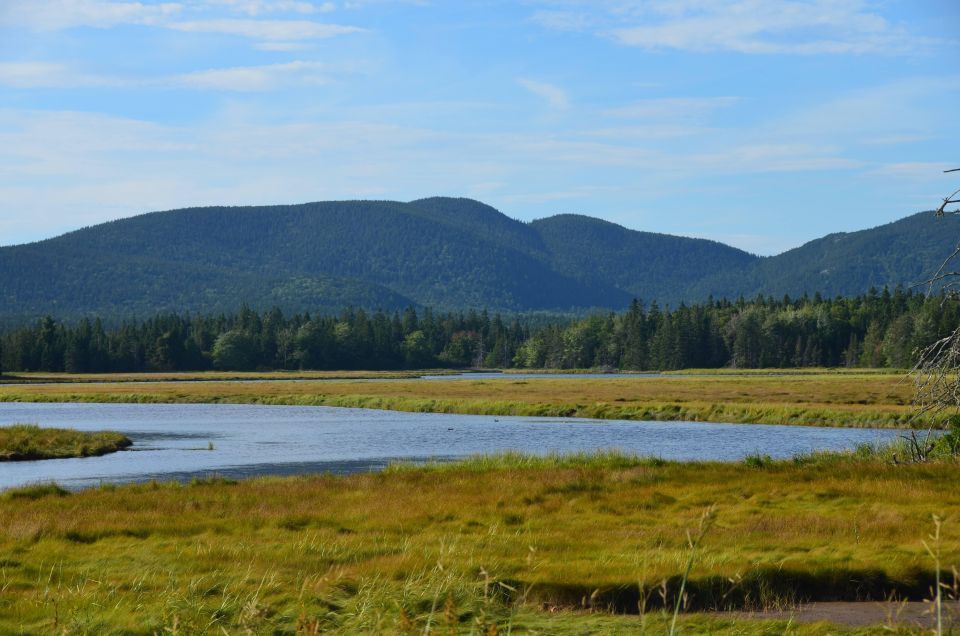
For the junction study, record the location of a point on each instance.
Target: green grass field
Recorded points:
(528, 545)
(24, 442)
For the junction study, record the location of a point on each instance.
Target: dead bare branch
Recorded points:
(937, 371)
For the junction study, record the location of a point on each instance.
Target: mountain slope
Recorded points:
(644, 264)
(371, 253)
(445, 252)
(905, 252)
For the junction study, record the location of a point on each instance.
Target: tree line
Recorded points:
(877, 329)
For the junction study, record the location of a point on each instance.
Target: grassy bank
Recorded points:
(42, 377)
(505, 540)
(23, 442)
(824, 399)
(725, 371)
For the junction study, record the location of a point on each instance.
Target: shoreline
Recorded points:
(732, 413)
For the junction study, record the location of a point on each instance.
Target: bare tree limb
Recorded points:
(937, 371)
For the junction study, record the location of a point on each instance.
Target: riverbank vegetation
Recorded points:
(873, 330)
(523, 544)
(823, 399)
(22, 442)
(44, 377)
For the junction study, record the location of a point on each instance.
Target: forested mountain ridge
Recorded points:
(360, 253)
(597, 251)
(906, 252)
(444, 252)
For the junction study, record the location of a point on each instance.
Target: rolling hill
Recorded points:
(443, 252)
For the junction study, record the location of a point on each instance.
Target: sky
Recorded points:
(759, 123)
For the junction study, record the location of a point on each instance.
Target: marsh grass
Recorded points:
(940, 447)
(706, 521)
(507, 542)
(857, 371)
(611, 459)
(36, 491)
(43, 377)
(822, 399)
(22, 442)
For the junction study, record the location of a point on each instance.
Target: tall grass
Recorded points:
(610, 459)
(706, 520)
(466, 546)
(41, 377)
(912, 448)
(21, 442)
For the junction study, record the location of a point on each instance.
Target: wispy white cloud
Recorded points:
(46, 75)
(238, 79)
(52, 15)
(893, 140)
(255, 78)
(209, 17)
(909, 107)
(285, 47)
(744, 26)
(555, 96)
(564, 20)
(76, 145)
(920, 170)
(773, 157)
(268, 30)
(262, 7)
(671, 107)
(363, 4)
(644, 132)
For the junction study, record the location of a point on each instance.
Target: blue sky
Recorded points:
(760, 123)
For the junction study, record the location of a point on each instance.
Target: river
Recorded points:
(171, 441)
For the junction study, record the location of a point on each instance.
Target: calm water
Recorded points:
(171, 440)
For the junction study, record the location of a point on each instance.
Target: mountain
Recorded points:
(443, 252)
(644, 264)
(905, 252)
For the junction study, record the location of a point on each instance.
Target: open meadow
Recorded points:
(489, 545)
